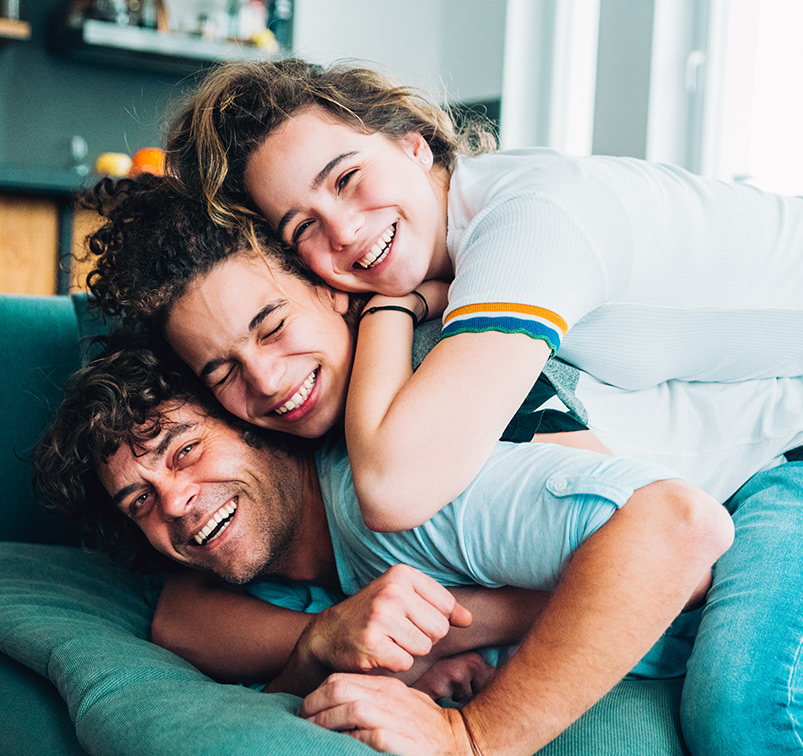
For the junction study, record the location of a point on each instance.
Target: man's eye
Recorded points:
(343, 181)
(299, 231)
(137, 507)
(184, 451)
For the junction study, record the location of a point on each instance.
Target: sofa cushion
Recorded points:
(92, 323)
(35, 719)
(68, 616)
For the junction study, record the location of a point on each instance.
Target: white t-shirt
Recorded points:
(715, 435)
(636, 272)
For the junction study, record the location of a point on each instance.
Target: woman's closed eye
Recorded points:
(218, 383)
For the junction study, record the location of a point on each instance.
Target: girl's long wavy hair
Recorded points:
(238, 105)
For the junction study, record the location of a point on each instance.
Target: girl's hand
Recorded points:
(386, 715)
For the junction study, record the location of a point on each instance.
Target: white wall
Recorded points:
(457, 44)
(623, 77)
(472, 44)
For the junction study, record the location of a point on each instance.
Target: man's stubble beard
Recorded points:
(277, 520)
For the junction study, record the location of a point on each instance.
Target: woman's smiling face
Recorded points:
(274, 349)
(366, 213)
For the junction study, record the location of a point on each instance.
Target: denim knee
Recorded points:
(737, 711)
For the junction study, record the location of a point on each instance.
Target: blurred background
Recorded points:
(87, 85)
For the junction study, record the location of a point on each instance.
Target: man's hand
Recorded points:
(397, 617)
(459, 677)
(386, 715)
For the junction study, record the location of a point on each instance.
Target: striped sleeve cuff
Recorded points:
(507, 317)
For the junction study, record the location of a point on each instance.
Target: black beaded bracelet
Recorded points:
(423, 299)
(397, 308)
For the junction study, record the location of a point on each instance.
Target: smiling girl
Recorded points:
(638, 273)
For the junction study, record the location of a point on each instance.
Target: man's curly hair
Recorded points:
(119, 398)
(156, 242)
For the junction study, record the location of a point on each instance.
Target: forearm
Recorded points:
(402, 623)
(228, 635)
(501, 617)
(417, 441)
(302, 672)
(620, 592)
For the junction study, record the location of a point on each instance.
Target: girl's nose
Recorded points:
(265, 381)
(343, 227)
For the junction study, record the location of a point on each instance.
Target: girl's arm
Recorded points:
(417, 440)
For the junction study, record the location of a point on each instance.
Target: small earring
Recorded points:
(426, 159)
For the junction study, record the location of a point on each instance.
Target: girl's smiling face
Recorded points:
(365, 212)
(273, 348)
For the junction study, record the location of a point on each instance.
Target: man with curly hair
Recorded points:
(135, 447)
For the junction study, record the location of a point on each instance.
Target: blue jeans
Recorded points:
(744, 686)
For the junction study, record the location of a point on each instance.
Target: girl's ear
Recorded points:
(417, 148)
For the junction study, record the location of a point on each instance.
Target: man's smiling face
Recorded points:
(206, 498)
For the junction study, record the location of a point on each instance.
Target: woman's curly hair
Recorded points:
(239, 104)
(156, 241)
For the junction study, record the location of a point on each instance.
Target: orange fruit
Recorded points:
(148, 160)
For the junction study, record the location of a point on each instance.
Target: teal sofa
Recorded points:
(78, 674)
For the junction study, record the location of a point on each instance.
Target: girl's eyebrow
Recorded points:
(316, 183)
(329, 167)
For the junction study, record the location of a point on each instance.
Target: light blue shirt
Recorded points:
(518, 523)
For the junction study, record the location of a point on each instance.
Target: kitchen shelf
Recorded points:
(133, 47)
(40, 180)
(11, 29)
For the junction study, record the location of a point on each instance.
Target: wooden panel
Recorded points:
(84, 222)
(28, 245)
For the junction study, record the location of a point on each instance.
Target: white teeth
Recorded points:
(218, 522)
(379, 251)
(300, 396)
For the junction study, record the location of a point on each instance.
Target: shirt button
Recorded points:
(559, 484)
